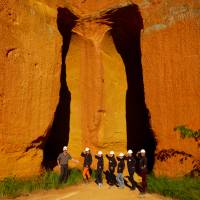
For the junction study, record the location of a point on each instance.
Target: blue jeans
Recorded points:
(120, 179)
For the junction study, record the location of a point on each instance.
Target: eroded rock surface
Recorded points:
(33, 68)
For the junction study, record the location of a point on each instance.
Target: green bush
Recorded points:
(184, 188)
(13, 187)
(187, 133)
(75, 177)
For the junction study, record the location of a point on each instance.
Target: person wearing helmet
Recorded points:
(87, 163)
(111, 167)
(120, 169)
(131, 162)
(100, 166)
(143, 170)
(62, 162)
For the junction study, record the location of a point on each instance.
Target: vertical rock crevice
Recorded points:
(126, 25)
(58, 133)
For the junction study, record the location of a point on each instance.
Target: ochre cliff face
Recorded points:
(30, 71)
(31, 60)
(97, 114)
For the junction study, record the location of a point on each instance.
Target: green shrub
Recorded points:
(184, 188)
(186, 132)
(13, 187)
(74, 177)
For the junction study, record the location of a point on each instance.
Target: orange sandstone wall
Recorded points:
(30, 59)
(97, 115)
(30, 71)
(171, 52)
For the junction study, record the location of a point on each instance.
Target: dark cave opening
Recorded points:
(127, 24)
(58, 133)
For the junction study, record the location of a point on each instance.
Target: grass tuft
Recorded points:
(13, 187)
(184, 188)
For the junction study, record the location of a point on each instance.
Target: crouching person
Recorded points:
(87, 163)
(62, 161)
(100, 166)
(120, 169)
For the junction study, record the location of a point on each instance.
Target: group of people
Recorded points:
(138, 161)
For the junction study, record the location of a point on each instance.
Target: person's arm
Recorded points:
(90, 159)
(97, 157)
(145, 163)
(138, 154)
(134, 160)
(58, 161)
(115, 162)
(123, 166)
(107, 156)
(83, 154)
(74, 160)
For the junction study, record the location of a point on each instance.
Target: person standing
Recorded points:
(87, 163)
(100, 166)
(120, 169)
(143, 170)
(111, 167)
(131, 162)
(62, 162)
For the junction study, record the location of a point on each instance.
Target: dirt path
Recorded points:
(90, 192)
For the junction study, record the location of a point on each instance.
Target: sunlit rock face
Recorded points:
(109, 74)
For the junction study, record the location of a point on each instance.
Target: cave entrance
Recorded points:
(127, 24)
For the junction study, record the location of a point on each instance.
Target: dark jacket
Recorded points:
(131, 163)
(143, 164)
(100, 163)
(87, 159)
(121, 165)
(112, 162)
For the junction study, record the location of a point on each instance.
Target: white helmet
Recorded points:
(64, 148)
(130, 151)
(100, 153)
(112, 152)
(121, 155)
(87, 149)
(142, 151)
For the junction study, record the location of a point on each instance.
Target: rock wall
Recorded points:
(30, 70)
(96, 92)
(171, 69)
(30, 60)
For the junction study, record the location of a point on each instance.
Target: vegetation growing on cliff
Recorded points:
(187, 132)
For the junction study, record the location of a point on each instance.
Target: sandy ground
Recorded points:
(90, 192)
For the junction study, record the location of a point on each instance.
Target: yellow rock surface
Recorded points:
(97, 112)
